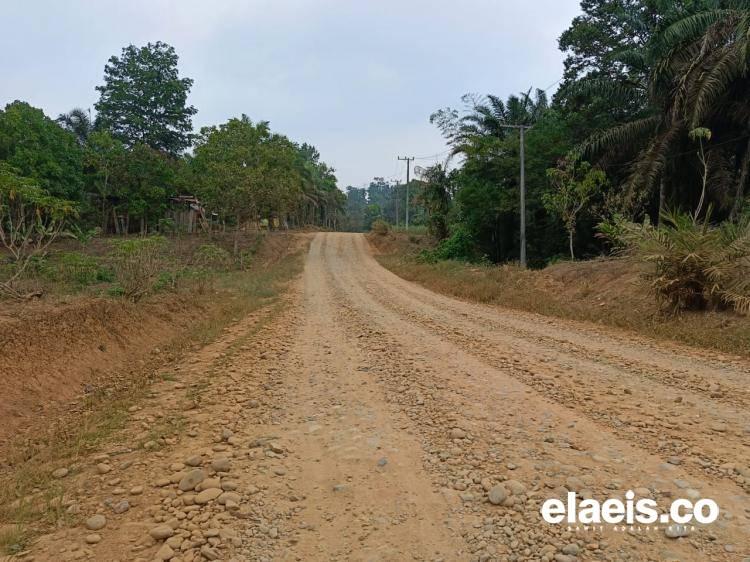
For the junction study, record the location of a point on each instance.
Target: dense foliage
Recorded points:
(122, 167)
(651, 115)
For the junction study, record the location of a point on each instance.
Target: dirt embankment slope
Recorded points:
(54, 353)
(51, 355)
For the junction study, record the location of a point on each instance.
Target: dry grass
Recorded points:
(607, 292)
(31, 500)
(13, 539)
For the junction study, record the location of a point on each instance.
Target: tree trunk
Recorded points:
(662, 198)
(570, 241)
(740, 191)
(116, 221)
(105, 217)
(236, 246)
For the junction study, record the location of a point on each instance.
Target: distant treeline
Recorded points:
(121, 166)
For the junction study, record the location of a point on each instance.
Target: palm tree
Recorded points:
(698, 79)
(484, 116)
(78, 121)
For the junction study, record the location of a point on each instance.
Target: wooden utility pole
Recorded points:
(408, 167)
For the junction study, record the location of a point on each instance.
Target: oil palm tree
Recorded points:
(697, 79)
(483, 118)
(78, 121)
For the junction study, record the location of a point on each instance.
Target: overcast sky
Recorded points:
(356, 78)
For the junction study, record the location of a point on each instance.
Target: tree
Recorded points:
(144, 101)
(30, 220)
(605, 39)
(693, 75)
(244, 172)
(436, 196)
(479, 127)
(77, 121)
(487, 182)
(105, 158)
(389, 197)
(143, 189)
(41, 150)
(356, 207)
(573, 185)
(321, 203)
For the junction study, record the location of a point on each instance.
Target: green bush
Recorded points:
(138, 263)
(694, 265)
(80, 269)
(380, 227)
(167, 280)
(211, 256)
(459, 246)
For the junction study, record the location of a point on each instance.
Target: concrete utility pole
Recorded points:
(522, 129)
(408, 166)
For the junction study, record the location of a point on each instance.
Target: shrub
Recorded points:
(380, 227)
(612, 231)
(211, 256)
(30, 220)
(138, 263)
(80, 269)
(458, 246)
(207, 259)
(694, 265)
(437, 226)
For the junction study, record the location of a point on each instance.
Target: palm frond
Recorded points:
(688, 29)
(629, 133)
(714, 84)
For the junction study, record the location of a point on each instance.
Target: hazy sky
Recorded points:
(357, 78)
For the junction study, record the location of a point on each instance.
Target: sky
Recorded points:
(356, 78)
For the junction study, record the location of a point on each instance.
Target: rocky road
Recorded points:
(367, 418)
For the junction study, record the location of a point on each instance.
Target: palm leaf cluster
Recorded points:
(694, 265)
(482, 122)
(696, 75)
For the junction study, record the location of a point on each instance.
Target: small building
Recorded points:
(188, 213)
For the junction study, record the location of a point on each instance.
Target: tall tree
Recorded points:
(143, 99)
(698, 79)
(438, 187)
(40, 149)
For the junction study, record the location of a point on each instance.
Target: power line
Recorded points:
(430, 157)
(554, 83)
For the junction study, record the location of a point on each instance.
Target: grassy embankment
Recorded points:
(604, 291)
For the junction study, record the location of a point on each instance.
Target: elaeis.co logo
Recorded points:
(643, 514)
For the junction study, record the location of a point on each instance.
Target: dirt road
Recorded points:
(367, 419)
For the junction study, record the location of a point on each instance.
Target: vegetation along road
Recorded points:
(367, 418)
